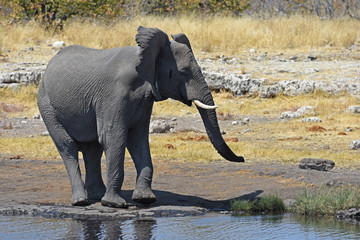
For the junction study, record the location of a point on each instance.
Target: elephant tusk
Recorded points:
(203, 105)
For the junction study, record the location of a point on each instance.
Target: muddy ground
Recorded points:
(211, 185)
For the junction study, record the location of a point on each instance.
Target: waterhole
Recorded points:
(209, 226)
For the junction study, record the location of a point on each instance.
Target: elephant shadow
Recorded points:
(174, 199)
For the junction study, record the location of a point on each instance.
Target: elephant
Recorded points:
(100, 101)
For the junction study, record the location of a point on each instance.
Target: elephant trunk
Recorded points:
(213, 131)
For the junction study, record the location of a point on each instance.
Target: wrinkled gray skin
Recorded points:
(97, 101)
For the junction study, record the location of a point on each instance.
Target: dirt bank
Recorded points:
(177, 183)
(204, 184)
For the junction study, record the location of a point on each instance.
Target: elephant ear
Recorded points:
(151, 42)
(182, 38)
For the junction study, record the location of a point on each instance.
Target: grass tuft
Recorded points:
(326, 201)
(266, 204)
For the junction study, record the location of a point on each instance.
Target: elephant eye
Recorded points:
(170, 74)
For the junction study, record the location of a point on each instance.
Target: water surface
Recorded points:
(210, 226)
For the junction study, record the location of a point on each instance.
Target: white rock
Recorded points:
(160, 126)
(305, 110)
(311, 119)
(246, 131)
(235, 123)
(59, 44)
(299, 113)
(355, 145)
(353, 109)
(290, 115)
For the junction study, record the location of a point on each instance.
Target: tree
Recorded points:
(55, 12)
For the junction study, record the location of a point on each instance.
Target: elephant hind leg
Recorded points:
(68, 150)
(94, 184)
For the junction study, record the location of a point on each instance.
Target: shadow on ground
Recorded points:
(169, 198)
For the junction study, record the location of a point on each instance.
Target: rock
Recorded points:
(233, 61)
(336, 182)
(305, 110)
(270, 91)
(58, 44)
(160, 126)
(37, 116)
(98, 212)
(234, 123)
(293, 58)
(290, 115)
(352, 214)
(311, 119)
(237, 84)
(45, 133)
(243, 84)
(312, 58)
(355, 145)
(353, 109)
(316, 164)
(299, 113)
(246, 131)
(29, 76)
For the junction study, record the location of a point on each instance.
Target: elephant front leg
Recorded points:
(115, 154)
(138, 146)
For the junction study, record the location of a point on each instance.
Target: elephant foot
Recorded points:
(79, 200)
(143, 196)
(114, 201)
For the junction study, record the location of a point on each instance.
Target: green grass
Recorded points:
(266, 204)
(326, 201)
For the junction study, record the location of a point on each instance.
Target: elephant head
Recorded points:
(172, 71)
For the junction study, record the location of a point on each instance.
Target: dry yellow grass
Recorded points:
(279, 141)
(325, 105)
(19, 102)
(287, 141)
(37, 147)
(210, 34)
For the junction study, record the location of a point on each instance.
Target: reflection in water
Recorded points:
(95, 229)
(210, 226)
(144, 227)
